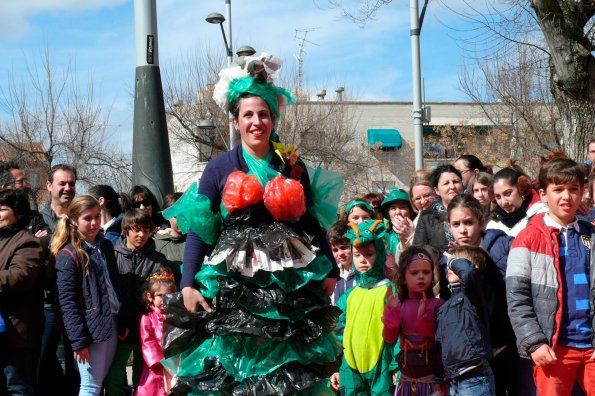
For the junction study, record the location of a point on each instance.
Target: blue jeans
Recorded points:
(480, 382)
(17, 368)
(95, 369)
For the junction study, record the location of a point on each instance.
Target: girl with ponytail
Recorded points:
(86, 272)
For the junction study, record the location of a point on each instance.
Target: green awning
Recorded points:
(386, 137)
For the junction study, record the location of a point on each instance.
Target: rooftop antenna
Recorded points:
(300, 35)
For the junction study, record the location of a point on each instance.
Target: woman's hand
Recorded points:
(82, 355)
(328, 285)
(335, 385)
(193, 299)
(403, 227)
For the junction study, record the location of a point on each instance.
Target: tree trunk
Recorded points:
(572, 68)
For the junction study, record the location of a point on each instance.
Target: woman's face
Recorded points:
(398, 208)
(449, 186)
(7, 216)
(464, 170)
(482, 193)
(423, 196)
(88, 224)
(507, 197)
(139, 201)
(255, 124)
(357, 215)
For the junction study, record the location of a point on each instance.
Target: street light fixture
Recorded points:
(210, 125)
(218, 19)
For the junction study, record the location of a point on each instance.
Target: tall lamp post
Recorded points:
(151, 158)
(218, 19)
(416, 24)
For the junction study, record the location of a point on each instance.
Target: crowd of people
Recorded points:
(465, 282)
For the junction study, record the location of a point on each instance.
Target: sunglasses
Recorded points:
(145, 202)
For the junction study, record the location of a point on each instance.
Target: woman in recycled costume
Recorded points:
(259, 312)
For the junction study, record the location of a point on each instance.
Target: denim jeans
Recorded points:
(478, 383)
(17, 368)
(95, 369)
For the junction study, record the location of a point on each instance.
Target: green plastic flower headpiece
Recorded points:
(271, 94)
(252, 74)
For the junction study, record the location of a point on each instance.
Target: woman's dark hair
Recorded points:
(144, 191)
(111, 197)
(466, 201)
(18, 201)
(515, 178)
(439, 170)
(171, 199)
(235, 109)
(375, 199)
(472, 162)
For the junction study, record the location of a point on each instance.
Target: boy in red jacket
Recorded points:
(550, 285)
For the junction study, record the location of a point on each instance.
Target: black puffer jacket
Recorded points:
(135, 267)
(462, 331)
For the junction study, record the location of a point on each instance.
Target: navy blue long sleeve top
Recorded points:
(212, 184)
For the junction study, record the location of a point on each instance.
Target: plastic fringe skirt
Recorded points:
(259, 340)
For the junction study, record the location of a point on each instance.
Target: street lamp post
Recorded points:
(151, 158)
(218, 19)
(416, 24)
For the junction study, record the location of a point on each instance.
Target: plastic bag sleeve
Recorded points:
(194, 253)
(311, 225)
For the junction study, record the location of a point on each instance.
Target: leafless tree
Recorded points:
(552, 40)
(187, 92)
(322, 132)
(52, 118)
(537, 57)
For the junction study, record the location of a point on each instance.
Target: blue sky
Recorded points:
(97, 36)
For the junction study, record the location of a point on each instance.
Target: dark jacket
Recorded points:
(463, 320)
(21, 262)
(83, 297)
(212, 184)
(432, 228)
(135, 267)
(49, 216)
(497, 243)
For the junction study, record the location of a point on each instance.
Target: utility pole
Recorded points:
(418, 138)
(151, 158)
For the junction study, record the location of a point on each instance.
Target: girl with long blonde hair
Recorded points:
(86, 271)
